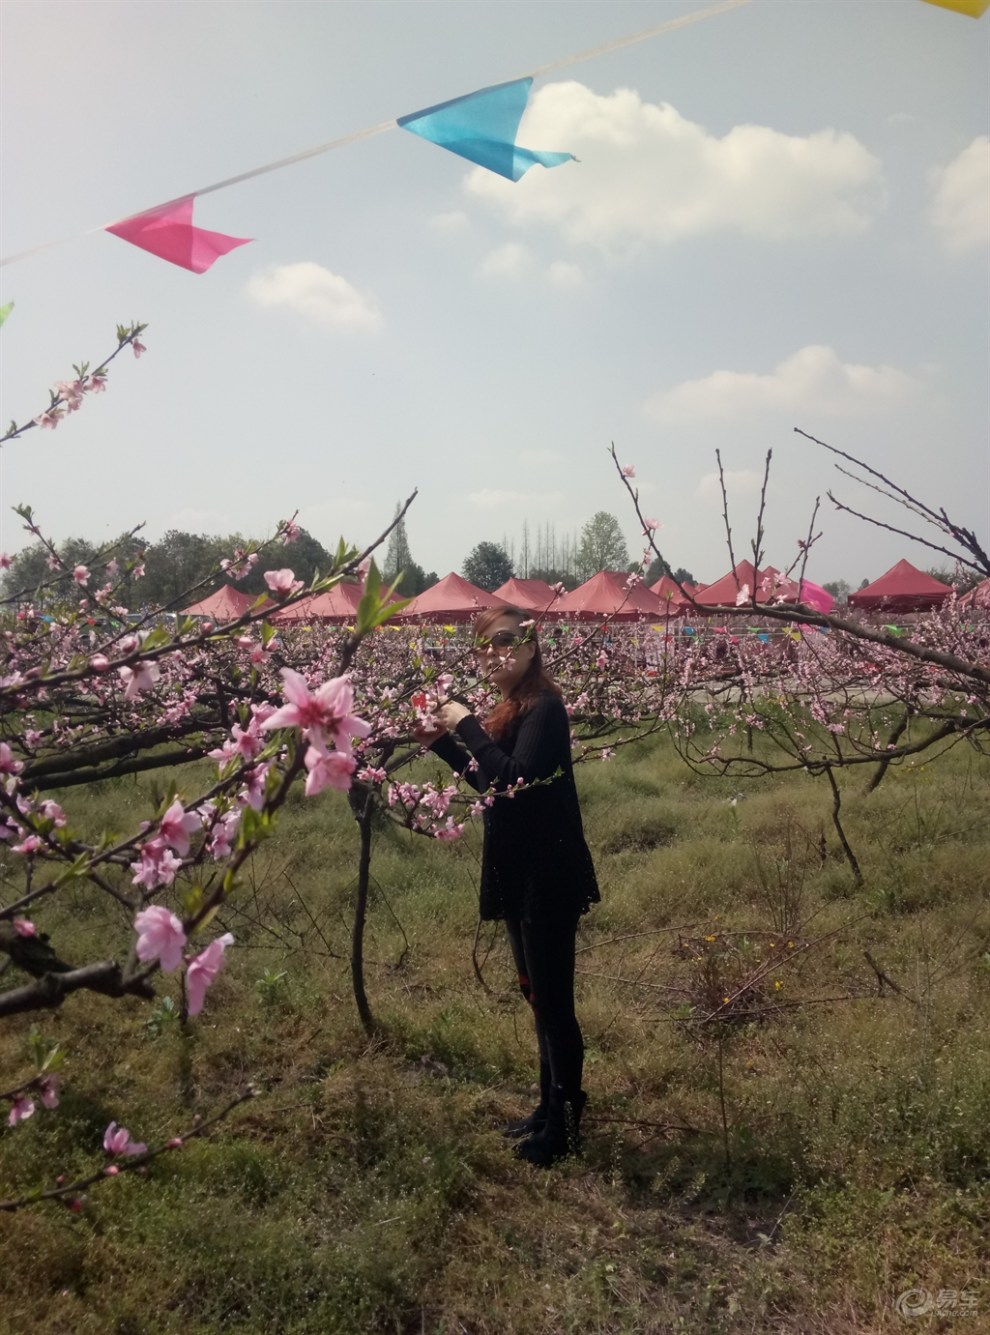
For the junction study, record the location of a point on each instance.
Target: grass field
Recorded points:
(782, 1134)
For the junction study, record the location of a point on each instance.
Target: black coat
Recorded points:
(535, 864)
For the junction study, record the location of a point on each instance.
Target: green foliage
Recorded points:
(602, 546)
(488, 566)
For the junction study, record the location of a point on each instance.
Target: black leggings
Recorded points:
(544, 958)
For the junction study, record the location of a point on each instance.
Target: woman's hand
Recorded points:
(426, 736)
(451, 713)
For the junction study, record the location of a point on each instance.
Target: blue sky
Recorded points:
(778, 219)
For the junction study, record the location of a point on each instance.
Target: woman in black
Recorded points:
(536, 871)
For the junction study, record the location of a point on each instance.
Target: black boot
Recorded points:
(561, 1136)
(537, 1119)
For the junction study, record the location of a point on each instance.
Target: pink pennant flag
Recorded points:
(168, 232)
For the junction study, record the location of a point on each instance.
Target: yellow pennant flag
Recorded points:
(974, 8)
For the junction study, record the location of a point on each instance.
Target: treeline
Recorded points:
(180, 562)
(175, 564)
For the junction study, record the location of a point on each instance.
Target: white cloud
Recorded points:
(647, 174)
(738, 482)
(566, 276)
(508, 261)
(811, 380)
(491, 498)
(316, 293)
(961, 205)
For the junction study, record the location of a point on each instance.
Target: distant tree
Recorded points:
(30, 568)
(683, 576)
(960, 578)
(429, 579)
(657, 569)
(305, 557)
(602, 546)
(414, 580)
(551, 575)
(176, 563)
(839, 590)
(488, 566)
(398, 557)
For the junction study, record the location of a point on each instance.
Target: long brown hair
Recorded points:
(534, 682)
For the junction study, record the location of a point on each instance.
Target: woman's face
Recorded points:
(504, 654)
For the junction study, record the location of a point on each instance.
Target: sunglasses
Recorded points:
(502, 639)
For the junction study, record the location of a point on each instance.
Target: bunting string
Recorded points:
(180, 202)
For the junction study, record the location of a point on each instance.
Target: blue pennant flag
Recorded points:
(482, 127)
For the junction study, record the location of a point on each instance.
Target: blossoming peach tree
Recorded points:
(830, 690)
(86, 696)
(261, 708)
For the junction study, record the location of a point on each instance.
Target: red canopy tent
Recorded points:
(903, 588)
(979, 596)
(533, 595)
(338, 605)
(608, 594)
(769, 584)
(815, 596)
(672, 601)
(227, 604)
(452, 599)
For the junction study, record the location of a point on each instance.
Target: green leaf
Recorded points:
(191, 901)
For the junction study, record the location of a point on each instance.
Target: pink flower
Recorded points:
(628, 471)
(176, 827)
(20, 1110)
(219, 842)
(48, 1085)
(29, 845)
(99, 663)
(141, 677)
(201, 971)
(97, 383)
(290, 532)
(160, 937)
(71, 392)
(49, 419)
(332, 769)
(4, 561)
(253, 792)
(449, 832)
(24, 927)
(8, 765)
(742, 596)
(52, 811)
(138, 348)
(157, 866)
(326, 711)
(282, 582)
(81, 575)
(651, 525)
(117, 1140)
